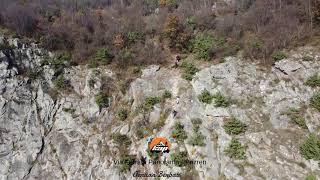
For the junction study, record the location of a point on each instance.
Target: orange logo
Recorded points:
(159, 144)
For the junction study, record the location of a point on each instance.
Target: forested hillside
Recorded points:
(141, 32)
(186, 89)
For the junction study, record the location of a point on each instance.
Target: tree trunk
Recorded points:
(310, 15)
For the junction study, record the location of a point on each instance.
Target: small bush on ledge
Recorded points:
(61, 61)
(235, 150)
(69, 110)
(126, 162)
(122, 114)
(311, 177)
(121, 139)
(279, 55)
(102, 100)
(205, 97)
(313, 81)
(149, 102)
(102, 57)
(203, 46)
(61, 83)
(33, 74)
(180, 158)
(307, 58)
(197, 139)
(296, 116)
(310, 148)
(189, 70)
(166, 95)
(315, 101)
(220, 100)
(178, 132)
(235, 126)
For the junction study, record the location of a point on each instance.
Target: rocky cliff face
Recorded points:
(67, 136)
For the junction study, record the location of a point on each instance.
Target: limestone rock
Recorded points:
(49, 134)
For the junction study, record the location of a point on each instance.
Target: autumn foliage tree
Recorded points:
(119, 41)
(316, 10)
(176, 34)
(163, 3)
(172, 26)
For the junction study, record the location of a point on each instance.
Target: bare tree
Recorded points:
(21, 18)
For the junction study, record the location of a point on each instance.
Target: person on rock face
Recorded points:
(143, 160)
(174, 113)
(177, 60)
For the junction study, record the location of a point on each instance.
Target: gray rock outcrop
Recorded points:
(65, 135)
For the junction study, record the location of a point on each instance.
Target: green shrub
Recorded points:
(315, 101)
(33, 74)
(220, 100)
(234, 126)
(187, 77)
(93, 63)
(257, 45)
(153, 155)
(61, 83)
(101, 57)
(180, 158)
(191, 22)
(307, 58)
(313, 81)
(140, 132)
(178, 132)
(125, 56)
(173, 3)
(64, 57)
(102, 100)
(137, 70)
(69, 110)
(311, 177)
(296, 116)
(45, 61)
(310, 148)
(121, 139)
(189, 45)
(133, 37)
(91, 83)
(255, 49)
(222, 60)
(205, 97)
(153, 3)
(123, 86)
(166, 95)
(300, 121)
(126, 162)
(278, 55)
(203, 46)
(61, 61)
(149, 102)
(122, 114)
(189, 70)
(196, 121)
(197, 139)
(235, 150)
